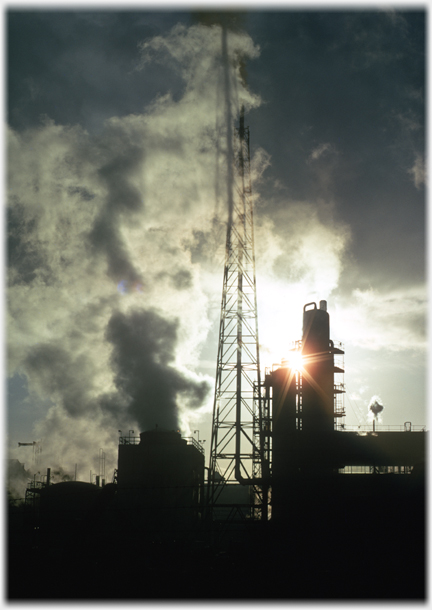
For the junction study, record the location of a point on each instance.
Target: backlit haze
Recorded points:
(117, 211)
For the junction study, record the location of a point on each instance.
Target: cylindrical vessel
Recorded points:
(318, 370)
(284, 423)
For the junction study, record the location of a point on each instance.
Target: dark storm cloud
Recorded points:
(77, 67)
(351, 80)
(143, 355)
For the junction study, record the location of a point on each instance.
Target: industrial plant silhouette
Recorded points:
(345, 516)
(293, 504)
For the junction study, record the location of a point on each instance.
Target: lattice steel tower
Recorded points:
(239, 451)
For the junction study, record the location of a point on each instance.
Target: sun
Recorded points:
(295, 360)
(280, 312)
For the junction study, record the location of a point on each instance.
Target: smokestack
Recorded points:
(323, 305)
(48, 476)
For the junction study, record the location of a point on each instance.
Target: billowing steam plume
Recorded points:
(113, 282)
(375, 407)
(143, 355)
(110, 291)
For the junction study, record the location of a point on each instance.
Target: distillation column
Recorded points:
(303, 408)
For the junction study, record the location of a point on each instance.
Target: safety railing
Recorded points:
(382, 428)
(375, 470)
(129, 440)
(135, 440)
(192, 441)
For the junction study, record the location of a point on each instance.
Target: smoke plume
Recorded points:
(143, 361)
(375, 407)
(115, 258)
(110, 296)
(17, 480)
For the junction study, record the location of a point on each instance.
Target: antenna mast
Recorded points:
(239, 451)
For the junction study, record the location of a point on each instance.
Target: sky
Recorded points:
(116, 215)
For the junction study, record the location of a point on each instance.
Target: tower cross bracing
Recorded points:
(238, 451)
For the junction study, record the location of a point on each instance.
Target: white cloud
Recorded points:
(418, 172)
(310, 244)
(300, 254)
(392, 320)
(320, 150)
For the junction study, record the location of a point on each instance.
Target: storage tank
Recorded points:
(65, 509)
(160, 482)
